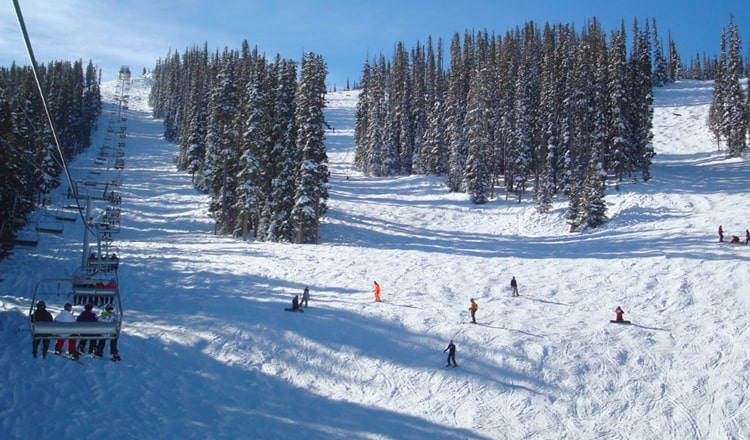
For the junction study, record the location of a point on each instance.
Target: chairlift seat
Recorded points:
(56, 330)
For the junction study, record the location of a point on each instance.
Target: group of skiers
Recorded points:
(735, 238)
(451, 349)
(296, 303)
(96, 346)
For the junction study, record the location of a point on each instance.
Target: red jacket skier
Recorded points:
(618, 314)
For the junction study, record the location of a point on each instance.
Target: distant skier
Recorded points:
(376, 291)
(305, 296)
(619, 314)
(473, 309)
(513, 287)
(41, 315)
(747, 236)
(451, 349)
(721, 234)
(735, 240)
(295, 303)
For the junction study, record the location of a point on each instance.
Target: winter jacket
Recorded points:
(41, 315)
(106, 316)
(87, 316)
(473, 307)
(618, 314)
(65, 316)
(451, 349)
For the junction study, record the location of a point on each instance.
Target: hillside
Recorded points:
(208, 351)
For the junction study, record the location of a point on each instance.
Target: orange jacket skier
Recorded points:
(376, 291)
(473, 309)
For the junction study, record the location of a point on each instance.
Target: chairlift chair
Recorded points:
(55, 292)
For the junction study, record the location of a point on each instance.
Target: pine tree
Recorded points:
(619, 106)
(455, 111)
(479, 125)
(222, 155)
(312, 177)
(735, 100)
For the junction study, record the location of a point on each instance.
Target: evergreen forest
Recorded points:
(30, 160)
(251, 133)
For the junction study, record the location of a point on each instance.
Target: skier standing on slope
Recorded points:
(376, 291)
(721, 233)
(305, 296)
(473, 309)
(451, 349)
(513, 287)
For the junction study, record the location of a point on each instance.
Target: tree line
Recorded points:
(542, 111)
(29, 161)
(251, 133)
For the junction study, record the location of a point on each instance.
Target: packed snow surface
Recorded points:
(209, 352)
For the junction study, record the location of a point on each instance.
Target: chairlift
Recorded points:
(55, 293)
(65, 216)
(49, 225)
(107, 260)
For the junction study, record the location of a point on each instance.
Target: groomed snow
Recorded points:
(209, 352)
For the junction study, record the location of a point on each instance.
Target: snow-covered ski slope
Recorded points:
(209, 352)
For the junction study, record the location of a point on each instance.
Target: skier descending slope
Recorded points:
(451, 349)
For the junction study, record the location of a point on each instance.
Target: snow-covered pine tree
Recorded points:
(660, 71)
(285, 156)
(312, 176)
(526, 133)
(419, 106)
(255, 173)
(362, 123)
(401, 96)
(736, 104)
(455, 110)
(222, 153)
(619, 159)
(641, 100)
(479, 126)
(550, 114)
(717, 117)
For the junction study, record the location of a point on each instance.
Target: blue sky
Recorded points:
(345, 33)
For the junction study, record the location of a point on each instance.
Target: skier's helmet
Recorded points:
(41, 305)
(88, 306)
(68, 306)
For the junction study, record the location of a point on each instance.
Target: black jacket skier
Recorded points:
(451, 349)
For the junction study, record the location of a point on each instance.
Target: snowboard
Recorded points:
(614, 321)
(289, 309)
